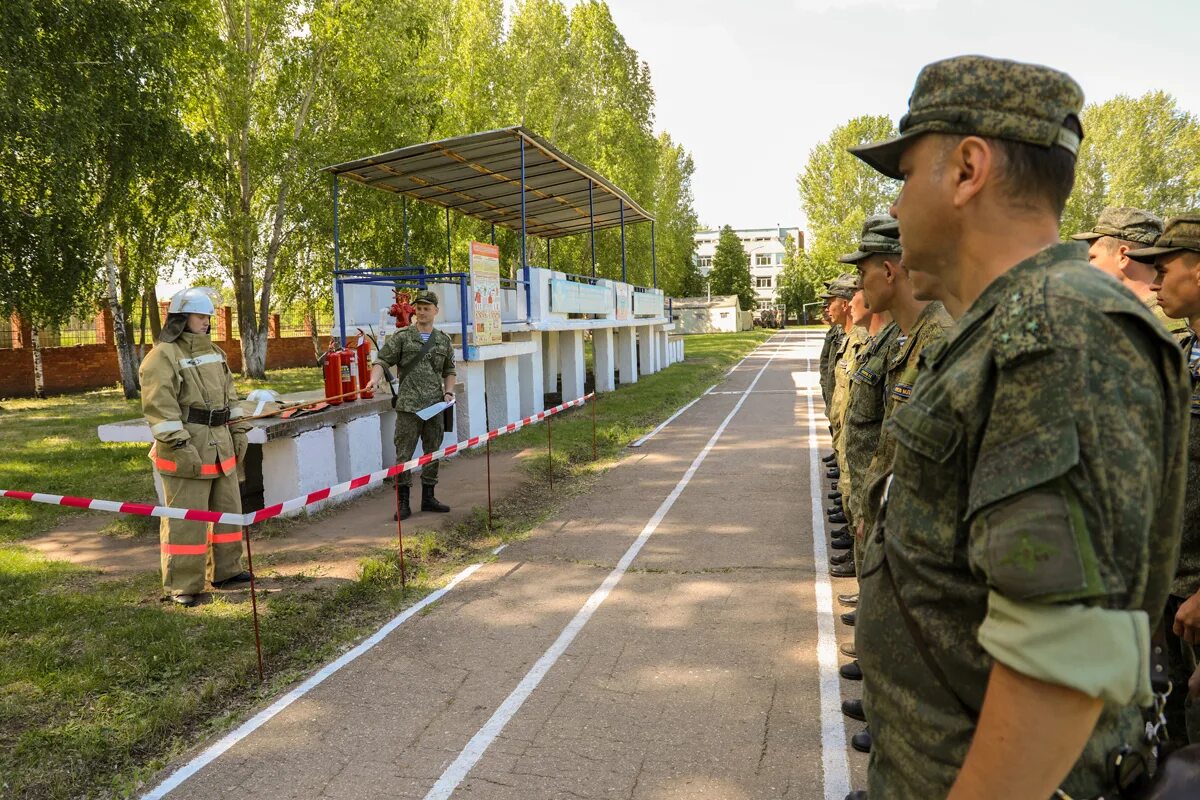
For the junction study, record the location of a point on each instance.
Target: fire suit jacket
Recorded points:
(191, 372)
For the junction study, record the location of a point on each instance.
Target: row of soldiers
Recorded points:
(1014, 473)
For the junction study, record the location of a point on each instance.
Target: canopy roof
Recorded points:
(480, 176)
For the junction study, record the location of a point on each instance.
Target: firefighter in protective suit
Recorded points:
(190, 402)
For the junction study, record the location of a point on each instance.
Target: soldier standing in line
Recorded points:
(424, 357)
(845, 285)
(1005, 614)
(189, 399)
(1118, 231)
(835, 313)
(1176, 256)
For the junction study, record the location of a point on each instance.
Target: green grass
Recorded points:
(51, 446)
(101, 684)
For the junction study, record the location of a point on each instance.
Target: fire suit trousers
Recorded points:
(193, 551)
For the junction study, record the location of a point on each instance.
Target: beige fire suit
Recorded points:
(199, 463)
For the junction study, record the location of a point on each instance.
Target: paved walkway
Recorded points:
(668, 635)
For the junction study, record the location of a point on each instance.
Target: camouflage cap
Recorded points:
(1130, 224)
(844, 286)
(880, 234)
(1180, 233)
(425, 297)
(981, 96)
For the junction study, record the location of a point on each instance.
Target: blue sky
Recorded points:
(749, 86)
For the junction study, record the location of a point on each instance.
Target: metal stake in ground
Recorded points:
(253, 602)
(400, 537)
(549, 454)
(489, 481)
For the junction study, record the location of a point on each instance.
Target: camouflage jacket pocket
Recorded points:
(925, 443)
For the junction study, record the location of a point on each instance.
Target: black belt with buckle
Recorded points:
(211, 417)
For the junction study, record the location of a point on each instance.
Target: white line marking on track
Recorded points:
(833, 731)
(176, 778)
(670, 419)
(479, 743)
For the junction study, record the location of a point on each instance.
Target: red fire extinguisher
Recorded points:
(331, 365)
(363, 351)
(349, 365)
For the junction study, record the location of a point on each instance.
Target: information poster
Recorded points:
(485, 293)
(624, 300)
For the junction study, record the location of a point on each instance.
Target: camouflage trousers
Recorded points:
(1183, 713)
(410, 428)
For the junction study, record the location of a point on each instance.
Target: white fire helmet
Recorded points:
(195, 300)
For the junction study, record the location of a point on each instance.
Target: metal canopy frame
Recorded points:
(490, 176)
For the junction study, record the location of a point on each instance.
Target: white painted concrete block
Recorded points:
(387, 438)
(647, 351)
(606, 361)
(502, 396)
(357, 450)
(299, 465)
(660, 337)
(530, 383)
(627, 354)
(570, 353)
(550, 361)
(471, 399)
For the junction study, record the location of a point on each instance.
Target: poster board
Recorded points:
(624, 301)
(573, 297)
(485, 294)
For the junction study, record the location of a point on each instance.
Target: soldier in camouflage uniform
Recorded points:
(864, 414)
(1004, 620)
(1116, 232)
(1176, 255)
(424, 380)
(845, 285)
(835, 308)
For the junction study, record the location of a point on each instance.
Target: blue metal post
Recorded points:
(404, 208)
(592, 226)
(524, 261)
(624, 275)
(337, 264)
(653, 258)
(548, 254)
(447, 240)
(493, 233)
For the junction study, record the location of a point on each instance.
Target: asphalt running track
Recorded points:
(672, 634)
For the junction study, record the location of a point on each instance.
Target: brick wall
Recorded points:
(94, 366)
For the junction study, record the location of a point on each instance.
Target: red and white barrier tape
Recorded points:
(295, 503)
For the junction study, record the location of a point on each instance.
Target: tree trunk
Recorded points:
(155, 318)
(126, 357)
(39, 376)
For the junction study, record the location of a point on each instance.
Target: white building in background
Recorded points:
(764, 254)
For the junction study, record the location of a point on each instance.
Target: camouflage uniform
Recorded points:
(423, 387)
(833, 342)
(901, 374)
(1183, 715)
(864, 409)
(864, 414)
(1012, 532)
(1142, 227)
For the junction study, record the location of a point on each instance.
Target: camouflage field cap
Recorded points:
(1180, 233)
(880, 234)
(844, 286)
(1130, 224)
(981, 96)
(425, 297)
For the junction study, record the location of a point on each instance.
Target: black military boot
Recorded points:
(429, 502)
(405, 509)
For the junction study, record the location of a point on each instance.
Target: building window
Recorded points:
(779, 258)
(762, 282)
(705, 261)
(762, 259)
